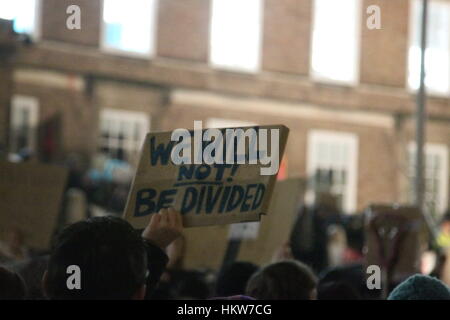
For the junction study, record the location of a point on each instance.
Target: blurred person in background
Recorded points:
(336, 290)
(233, 278)
(284, 280)
(14, 248)
(345, 277)
(12, 286)
(444, 231)
(32, 271)
(442, 269)
(191, 285)
(420, 287)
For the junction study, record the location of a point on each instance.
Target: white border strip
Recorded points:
(276, 108)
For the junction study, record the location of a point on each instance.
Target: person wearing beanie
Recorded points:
(420, 287)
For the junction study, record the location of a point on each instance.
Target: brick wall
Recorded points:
(376, 160)
(287, 24)
(76, 113)
(183, 29)
(384, 51)
(127, 83)
(54, 17)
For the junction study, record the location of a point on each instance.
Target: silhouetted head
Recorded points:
(111, 258)
(337, 290)
(285, 280)
(233, 278)
(12, 286)
(420, 287)
(192, 285)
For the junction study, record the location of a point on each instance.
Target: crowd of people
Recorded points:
(118, 262)
(322, 258)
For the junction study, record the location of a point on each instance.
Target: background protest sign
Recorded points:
(30, 199)
(244, 230)
(205, 194)
(275, 228)
(206, 248)
(395, 239)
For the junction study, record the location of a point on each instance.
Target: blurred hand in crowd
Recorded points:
(164, 227)
(14, 247)
(283, 253)
(175, 252)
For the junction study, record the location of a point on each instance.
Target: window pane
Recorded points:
(24, 118)
(333, 157)
(129, 25)
(119, 136)
(236, 34)
(335, 40)
(22, 12)
(436, 168)
(437, 54)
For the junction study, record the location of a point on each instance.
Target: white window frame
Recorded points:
(104, 47)
(32, 105)
(227, 67)
(349, 203)
(131, 116)
(36, 35)
(412, 27)
(441, 150)
(357, 47)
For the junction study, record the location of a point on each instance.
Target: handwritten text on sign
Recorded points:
(203, 196)
(205, 193)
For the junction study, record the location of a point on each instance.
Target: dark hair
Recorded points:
(233, 278)
(337, 290)
(110, 254)
(353, 275)
(31, 271)
(12, 286)
(285, 280)
(192, 285)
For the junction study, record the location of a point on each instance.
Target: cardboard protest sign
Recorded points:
(211, 176)
(244, 230)
(395, 238)
(30, 199)
(205, 248)
(275, 228)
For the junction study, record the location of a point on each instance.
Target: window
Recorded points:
(23, 124)
(129, 26)
(436, 177)
(122, 133)
(23, 13)
(335, 41)
(332, 166)
(226, 123)
(437, 54)
(236, 34)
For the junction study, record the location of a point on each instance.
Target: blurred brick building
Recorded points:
(345, 90)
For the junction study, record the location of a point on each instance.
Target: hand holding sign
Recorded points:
(164, 228)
